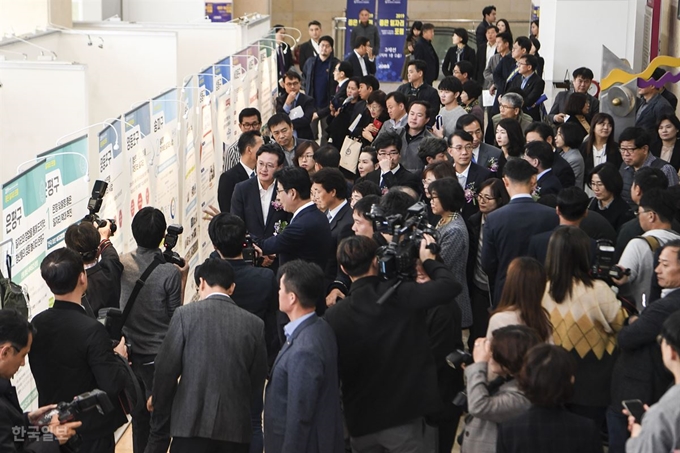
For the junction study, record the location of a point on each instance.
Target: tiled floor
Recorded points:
(124, 445)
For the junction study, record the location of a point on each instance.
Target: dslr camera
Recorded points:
(604, 267)
(170, 241)
(94, 204)
(398, 258)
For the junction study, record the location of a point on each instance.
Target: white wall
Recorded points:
(22, 16)
(39, 102)
(49, 40)
(176, 11)
(255, 30)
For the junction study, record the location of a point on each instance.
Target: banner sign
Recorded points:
(392, 29)
(352, 14)
(112, 170)
(165, 138)
(218, 11)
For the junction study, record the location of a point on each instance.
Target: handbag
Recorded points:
(349, 154)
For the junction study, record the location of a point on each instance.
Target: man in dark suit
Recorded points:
(482, 154)
(80, 348)
(541, 156)
(248, 145)
(539, 131)
(508, 230)
(101, 259)
(489, 15)
(583, 78)
(651, 106)
(307, 236)
(362, 64)
(309, 49)
(284, 53)
(297, 105)
(18, 432)
(302, 401)
(391, 173)
(639, 372)
(394, 356)
(254, 200)
(530, 83)
(329, 189)
(319, 82)
(507, 69)
(469, 174)
(209, 338)
(424, 50)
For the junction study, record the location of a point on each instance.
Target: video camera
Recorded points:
(170, 241)
(66, 412)
(398, 258)
(94, 204)
(249, 255)
(604, 266)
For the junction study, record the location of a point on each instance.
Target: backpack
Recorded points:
(12, 296)
(652, 242)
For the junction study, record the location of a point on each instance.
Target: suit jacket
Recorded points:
(219, 352)
(560, 104)
(301, 125)
(306, 51)
(424, 50)
(653, 110)
(103, 281)
(507, 233)
(245, 203)
(353, 59)
(505, 68)
(563, 171)
(476, 176)
(341, 228)
(13, 418)
(384, 350)
(307, 237)
(285, 63)
(487, 155)
(538, 247)
(671, 98)
(532, 91)
(402, 177)
(613, 156)
(548, 184)
(542, 429)
(227, 183)
(72, 354)
(451, 58)
(309, 82)
(302, 401)
(655, 149)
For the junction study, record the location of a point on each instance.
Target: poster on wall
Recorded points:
(67, 190)
(164, 136)
(392, 29)
(238, 93)
(24, 210)
(253, 53)
(223, 133)
(190, 218)
(219, 11)
(139, 155)
(352, 14)
(112, 170)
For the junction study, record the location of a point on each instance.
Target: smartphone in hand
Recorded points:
(635, 408)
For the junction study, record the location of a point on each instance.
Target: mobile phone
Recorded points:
(377, 124)
(439, 121)
(635, 408)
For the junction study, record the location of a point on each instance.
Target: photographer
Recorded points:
(493, 402)
(17, 430)
(72, 353)
(389, 378)
(101, 261)
(155, 304)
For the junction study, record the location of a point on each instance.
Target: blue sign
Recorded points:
(392, 28)
(352, 15)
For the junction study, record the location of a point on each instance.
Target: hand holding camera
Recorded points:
(482, 350)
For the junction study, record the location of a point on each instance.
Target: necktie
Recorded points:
(461, 180)
(252, 175)
(330, 217)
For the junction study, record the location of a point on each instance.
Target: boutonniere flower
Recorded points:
(384, 190)
(471, 193)
(277, 206)
(492, 165)
(280, 226)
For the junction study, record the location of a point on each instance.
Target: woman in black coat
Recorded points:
(667, 147)
(460, 51)
(606, 183)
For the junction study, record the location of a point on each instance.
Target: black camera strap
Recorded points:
(138, 287)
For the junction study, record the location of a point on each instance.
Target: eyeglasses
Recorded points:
(292, 84)
(280, 190)
(522, 64)
(254, 125)
(596, 184)
(481, 197)
(627, 151)
(308, 156)
(467, 147)
(268, 166)
(505, 106)
(391, 153)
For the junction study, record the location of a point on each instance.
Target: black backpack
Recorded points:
(12, 296)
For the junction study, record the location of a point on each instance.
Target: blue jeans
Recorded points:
(617, 426)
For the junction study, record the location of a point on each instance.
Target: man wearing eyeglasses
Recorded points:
(531, 84)
(249, 119)
(639, 350)
(510, 105)
(391, 173)
(470, 175)
(634, 148)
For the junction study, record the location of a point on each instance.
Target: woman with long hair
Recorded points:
(668, 146)
(600, 146)
(504, 27)
(368, 161)
(521, 299)
(586, 316)
(338, 127)
(510, 139)
(491, 196)
(577, 107)
(304, 156)
(409, 47)
(567, 141)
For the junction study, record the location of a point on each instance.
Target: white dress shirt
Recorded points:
(333, 212)
(266, 198)
(298, 210)
(599, 157)
(364, 71)
(249, 171)
(462, 177)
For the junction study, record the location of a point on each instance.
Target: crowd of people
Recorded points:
(358, 242)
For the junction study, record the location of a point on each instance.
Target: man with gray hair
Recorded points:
(511, 107)
(433, 149)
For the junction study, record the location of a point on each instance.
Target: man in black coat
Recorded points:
(539, 131)
(424, 50)
(394, 356)
(319, 83)
(298, 106)
(391, 173)
(417, 89)
(489, 15)
(541, 156)
(80, 348)
(639, 372)
(469, 174)
(362, 63)
(508, 230)
(18, 429)
(530, 83)
(248, 145)
(262, 220)
(309, 48)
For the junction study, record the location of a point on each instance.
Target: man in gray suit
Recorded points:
(218, 350)
(302, 400)
(482, 154)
